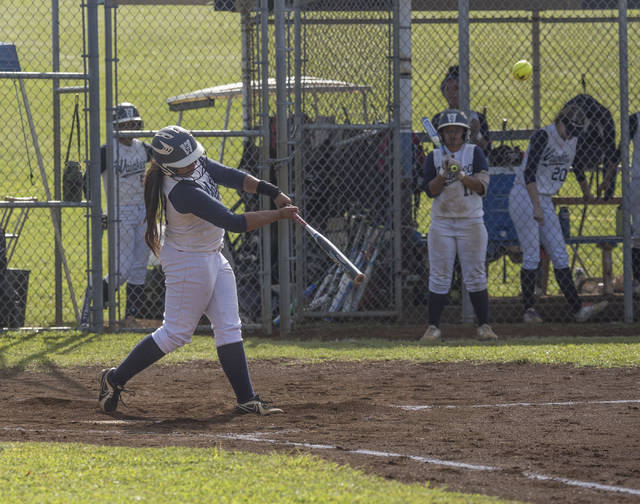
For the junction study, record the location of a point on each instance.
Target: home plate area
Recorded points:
(534, 433)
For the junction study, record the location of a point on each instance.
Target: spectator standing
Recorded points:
(479, 128)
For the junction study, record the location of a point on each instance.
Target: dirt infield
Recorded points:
(526, 432)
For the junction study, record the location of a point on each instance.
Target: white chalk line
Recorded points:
(257, 438)
(512, 405)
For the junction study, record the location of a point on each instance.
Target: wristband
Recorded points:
(268, 189)
(442, 172)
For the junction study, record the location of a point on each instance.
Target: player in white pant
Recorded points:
(182, 183)
(540, 175)
(457, 226)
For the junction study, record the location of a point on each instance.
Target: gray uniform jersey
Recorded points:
(129, 162)
(554, 165)
(456, 200)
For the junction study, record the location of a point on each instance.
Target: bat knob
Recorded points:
(359, 279)
(453, 168)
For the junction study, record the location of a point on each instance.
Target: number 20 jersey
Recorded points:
(555, 162)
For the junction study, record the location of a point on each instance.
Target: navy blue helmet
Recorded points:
(127, 113)
(174, 147)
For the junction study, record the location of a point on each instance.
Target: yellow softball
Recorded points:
(522, 70)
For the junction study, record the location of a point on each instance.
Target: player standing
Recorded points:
(457, 226)
(182, 184)
(541, 174)
(130, 157)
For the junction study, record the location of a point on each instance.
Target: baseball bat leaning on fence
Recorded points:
(327, 286)
(353, 302)
(435, 138)
(345, 284)
(332, 251)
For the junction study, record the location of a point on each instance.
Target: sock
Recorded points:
(480, 302)
(437, 302)
(135, 298)
(528, 286)
(145, 353)
(635, 263)
(568, 288)
(234, 363)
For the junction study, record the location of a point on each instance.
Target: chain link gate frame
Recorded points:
(606, 22)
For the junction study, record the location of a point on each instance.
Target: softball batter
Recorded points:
(130, 157)
(541, 174)
(457, 226)
(182, 183)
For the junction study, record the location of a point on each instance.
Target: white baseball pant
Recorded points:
(197, 284)
(466, 237)
(531, 234)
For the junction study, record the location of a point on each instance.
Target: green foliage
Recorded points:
(72, 473)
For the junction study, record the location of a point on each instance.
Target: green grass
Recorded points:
(61, 349)
(65, 473)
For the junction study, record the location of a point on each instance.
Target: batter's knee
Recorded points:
(226, 335)
(168, 340)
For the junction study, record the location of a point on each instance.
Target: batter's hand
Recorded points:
(282, 200)
(447, 163)
(538, 215)
(287, 212)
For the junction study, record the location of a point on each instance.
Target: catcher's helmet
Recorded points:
(454, 117)
(174, 147)
(127, 112)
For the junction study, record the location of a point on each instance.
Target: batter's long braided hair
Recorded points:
(154, 205)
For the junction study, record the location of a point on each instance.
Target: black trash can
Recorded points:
(14, 286)
(19, 280)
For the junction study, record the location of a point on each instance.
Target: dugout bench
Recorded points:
(503, 240)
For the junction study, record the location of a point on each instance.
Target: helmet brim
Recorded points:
(464, 125)
(194, 156)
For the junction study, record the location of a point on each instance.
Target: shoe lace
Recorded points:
(119, 390)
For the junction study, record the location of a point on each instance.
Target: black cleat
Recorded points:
(109, 394)
(257, 406)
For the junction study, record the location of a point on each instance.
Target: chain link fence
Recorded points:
(325, 98)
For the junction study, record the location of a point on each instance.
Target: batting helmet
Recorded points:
(174, 147)
(454, 117)
(127, 112)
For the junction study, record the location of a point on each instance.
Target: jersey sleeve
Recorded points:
(189, 197)
(429, 172)
(148, 150)
(537, 144)
(224, 175)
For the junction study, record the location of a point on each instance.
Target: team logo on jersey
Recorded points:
(166, 148)
(187, 147)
